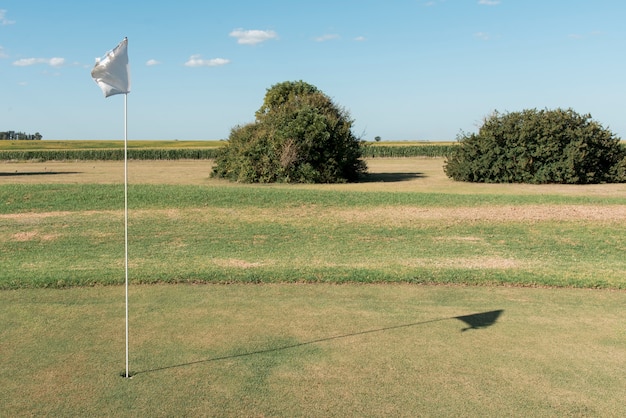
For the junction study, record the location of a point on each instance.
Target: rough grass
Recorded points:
(58, 235)
(580, 246)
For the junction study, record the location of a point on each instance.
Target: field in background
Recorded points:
(178, 150)
(108, 144)
(104, 144)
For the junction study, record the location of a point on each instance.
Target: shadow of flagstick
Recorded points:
(475, 321)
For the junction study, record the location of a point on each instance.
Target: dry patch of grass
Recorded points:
(389, 215)
(32, 236)
(235, 263)
(469, 263)
(505, 213)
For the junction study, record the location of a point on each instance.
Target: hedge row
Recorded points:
(379, 151)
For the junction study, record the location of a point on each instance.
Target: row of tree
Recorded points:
(22, 136)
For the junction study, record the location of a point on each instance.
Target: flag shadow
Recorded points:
(480, 320)
(475, 321)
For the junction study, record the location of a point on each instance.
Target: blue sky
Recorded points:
(405, 69)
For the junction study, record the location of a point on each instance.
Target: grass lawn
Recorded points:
(404, 224)
(342, 318)
(313, 350)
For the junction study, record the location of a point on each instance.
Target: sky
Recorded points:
(425, 70)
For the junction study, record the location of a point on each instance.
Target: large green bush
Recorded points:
(299, 136)
(538, 146)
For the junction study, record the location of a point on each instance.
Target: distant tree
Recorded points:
(299, 136)
(16, 136)
(539, 146)
(377, 139)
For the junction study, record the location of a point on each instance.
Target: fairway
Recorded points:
(314, 350)
(406, 294)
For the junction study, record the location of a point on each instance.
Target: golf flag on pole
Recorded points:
(112, 72)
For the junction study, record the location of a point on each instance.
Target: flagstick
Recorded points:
(126, 217)
(112, 75)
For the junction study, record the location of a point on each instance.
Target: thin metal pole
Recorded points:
(126, 217)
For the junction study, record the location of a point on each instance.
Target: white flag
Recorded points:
(112, 72)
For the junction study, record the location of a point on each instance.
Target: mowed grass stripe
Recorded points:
(248, 244)
(16, 198)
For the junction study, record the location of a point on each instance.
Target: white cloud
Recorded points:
(489, 2)
(3, 19)
(482, 35)
(197, 61)
(152, 62)
(2, 53)
(327, 37)
(53, 62)
(360, 38)
(56, 62)
(253, 37)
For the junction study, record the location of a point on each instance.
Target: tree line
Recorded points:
(20, 136)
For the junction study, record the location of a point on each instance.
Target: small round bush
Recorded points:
(299, 136)
(538, 146)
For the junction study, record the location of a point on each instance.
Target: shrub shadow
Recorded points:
(389, 177)
(475, 321)
(36, 173)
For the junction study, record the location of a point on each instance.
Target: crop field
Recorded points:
(405, 294)
(180, 150)
(90, 144)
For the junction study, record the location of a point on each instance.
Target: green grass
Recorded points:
(283, 234)
(16, 198)
(316, 350)
(365, 336)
